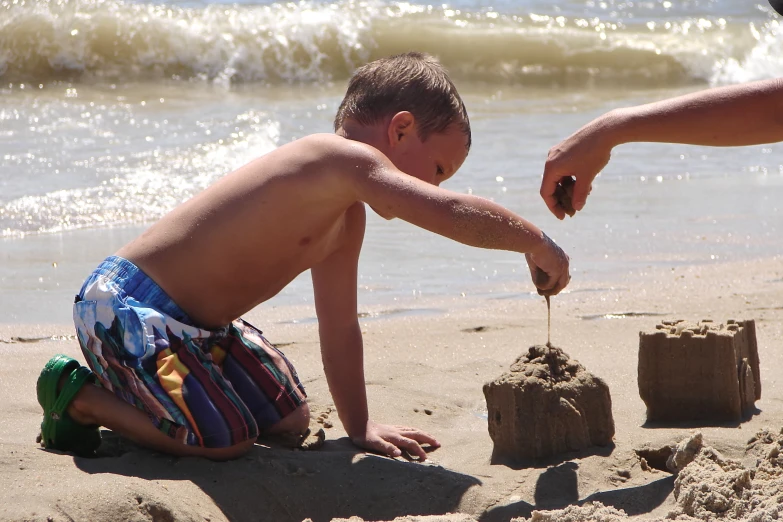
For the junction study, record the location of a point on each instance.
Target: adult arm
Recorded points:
(745, 114)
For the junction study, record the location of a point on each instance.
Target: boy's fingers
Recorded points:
(409, 445)
(387, 448)
(549, 291)
(546, 284)
(417, 451)
(565, 278)
(423, 438)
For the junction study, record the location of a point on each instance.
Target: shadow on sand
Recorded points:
(554, 460)
(558, 487)
(706, 423)
(281, 485)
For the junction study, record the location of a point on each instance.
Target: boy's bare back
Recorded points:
(242, 240)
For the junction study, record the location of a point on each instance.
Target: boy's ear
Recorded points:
(401, 126)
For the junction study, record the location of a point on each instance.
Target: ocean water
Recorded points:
(113, 112)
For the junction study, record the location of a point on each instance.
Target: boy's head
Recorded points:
(407, 91)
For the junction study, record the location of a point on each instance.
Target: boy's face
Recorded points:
(434, 160)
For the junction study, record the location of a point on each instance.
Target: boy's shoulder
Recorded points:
(335, 148)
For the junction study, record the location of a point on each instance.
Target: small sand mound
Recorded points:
(684, 453)
(449, 517)
(708, 487)
(592, 511)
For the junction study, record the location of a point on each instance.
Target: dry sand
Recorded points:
(427, 370)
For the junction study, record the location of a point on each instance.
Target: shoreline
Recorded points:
(630, 228)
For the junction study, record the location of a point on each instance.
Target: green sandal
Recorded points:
(58, 430)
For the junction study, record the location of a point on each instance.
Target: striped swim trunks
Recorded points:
(209, 388)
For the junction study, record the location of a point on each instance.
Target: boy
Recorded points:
(157, 322)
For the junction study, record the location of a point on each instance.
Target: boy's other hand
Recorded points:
(582, 155)
(549, 267)
(391, 440)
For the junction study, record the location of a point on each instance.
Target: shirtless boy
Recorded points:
(178, 372)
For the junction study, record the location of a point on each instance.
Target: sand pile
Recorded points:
(708, 486)
(545, 405)
(713, 487)
(592, 511)
(456, 517)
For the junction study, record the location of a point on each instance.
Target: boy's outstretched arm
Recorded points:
(745, 114)
(468, 219)
(335, 286)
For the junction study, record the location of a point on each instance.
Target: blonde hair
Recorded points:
(413, 82)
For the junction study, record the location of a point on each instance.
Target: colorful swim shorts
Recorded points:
(210, 388)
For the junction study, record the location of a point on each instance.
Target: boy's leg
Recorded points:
(289, 413)
(159, 386)
(264, 379)
(95, 405)
(296, 422)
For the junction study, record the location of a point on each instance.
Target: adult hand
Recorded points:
(582, 155)
(391, 440)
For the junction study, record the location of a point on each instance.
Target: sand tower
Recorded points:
(545, 405)
(699, 371)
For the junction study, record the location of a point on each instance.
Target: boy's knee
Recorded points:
(300, 418)
(295, 422)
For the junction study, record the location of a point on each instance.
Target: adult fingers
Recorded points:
(582, 189)
(548, 187)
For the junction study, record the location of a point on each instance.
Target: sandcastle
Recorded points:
(545, 405)
(701, 371)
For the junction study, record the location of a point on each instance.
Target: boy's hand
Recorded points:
(549, 267)
(391, 440)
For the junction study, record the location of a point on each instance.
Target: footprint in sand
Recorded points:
(477, 329)
(323, 417)
(315, 436)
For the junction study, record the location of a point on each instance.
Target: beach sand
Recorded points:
(427, 370)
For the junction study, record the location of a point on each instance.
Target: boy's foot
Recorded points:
(58, 430)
